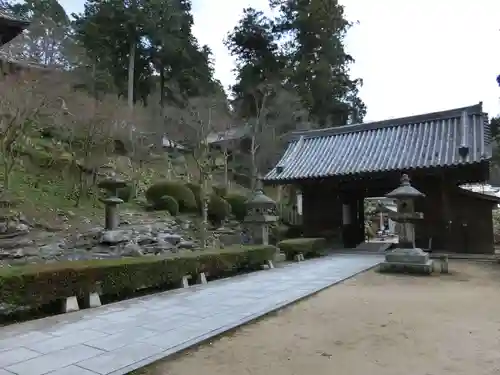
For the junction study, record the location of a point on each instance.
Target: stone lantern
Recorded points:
(261, 214)
(111, 202)
(406, 257)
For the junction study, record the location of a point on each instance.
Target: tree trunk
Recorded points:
(162, 89)
(204, 211)
(131, 71)
(6, 176)
(253, 171)
(226, 172)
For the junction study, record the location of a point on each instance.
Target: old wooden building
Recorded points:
(337, 168)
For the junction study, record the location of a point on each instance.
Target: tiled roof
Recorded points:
(424, 141)
(9, 17)
(228, 135)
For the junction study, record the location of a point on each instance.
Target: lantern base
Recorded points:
(407, 260)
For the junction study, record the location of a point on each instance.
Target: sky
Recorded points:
(414, 56)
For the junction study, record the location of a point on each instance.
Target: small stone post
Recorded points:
(111, 214)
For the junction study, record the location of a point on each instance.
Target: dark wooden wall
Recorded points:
(455, 221)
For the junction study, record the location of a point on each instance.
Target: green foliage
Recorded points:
(303, 49)
(278, 233)
(37, 285)
(168, 203)
(125, 193)
(179, 191)
(221, 191)
(161, 32)
(196, 189)
(218, 209)
(242, 179)
(238, 205)
(309, 247)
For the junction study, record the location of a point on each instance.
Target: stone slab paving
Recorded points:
(124, 336)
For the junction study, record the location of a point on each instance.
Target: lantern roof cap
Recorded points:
(405, 190)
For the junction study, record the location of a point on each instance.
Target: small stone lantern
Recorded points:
(406, 257)
(111, 202)
(261, 213)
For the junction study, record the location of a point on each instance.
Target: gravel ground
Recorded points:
(372, 324)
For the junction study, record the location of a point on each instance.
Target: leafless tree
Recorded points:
(198, 119)
(90, 126)
(278, 111)
(24, 101)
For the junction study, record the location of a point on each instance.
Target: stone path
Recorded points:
(121, 337)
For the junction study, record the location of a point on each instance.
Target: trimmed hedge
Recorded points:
(37, 285)
(238, 205)
(221, 191)
(218, 209)
(125, 193)
(196, 189)
(309, 247)
(168, 203)
(180, 192)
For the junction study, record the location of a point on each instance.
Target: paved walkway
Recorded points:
(121, 337)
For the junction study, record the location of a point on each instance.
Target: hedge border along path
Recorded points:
(124, 336)
(37, 285)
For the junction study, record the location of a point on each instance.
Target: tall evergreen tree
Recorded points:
(302, 48)
(259, 60)
(319, 61)
(106, 30)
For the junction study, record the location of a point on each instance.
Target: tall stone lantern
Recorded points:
(406, 257)
(261, 214)
(111, 202)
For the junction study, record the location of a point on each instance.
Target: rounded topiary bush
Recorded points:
(221, 191)
(125, 193)
(168, 203)
(238, 205)
(218, 209)
(196, 189)
(179, 191)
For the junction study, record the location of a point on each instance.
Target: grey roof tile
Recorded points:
(423, 141)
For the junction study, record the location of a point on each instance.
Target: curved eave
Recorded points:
(11, 27)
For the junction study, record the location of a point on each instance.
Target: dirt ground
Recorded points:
(372, 324)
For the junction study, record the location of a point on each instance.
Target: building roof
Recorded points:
(10, 27)
(403, 144)
(231, 134)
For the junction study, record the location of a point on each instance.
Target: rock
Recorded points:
(21, 227)
(173, 239)
(12, 243)
(186, 245)
(51, 250)
(132, 249)
(144, 239)
(115, 236)
(164, 246)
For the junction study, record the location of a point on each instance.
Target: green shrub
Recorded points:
(218, 209)
(221, 191)
(168, 203)
(309, 247)
(37, 285)
(179, 191)
(278, 233)
(125, 193)
(238, 205)
(242, 179)
(196, 189)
